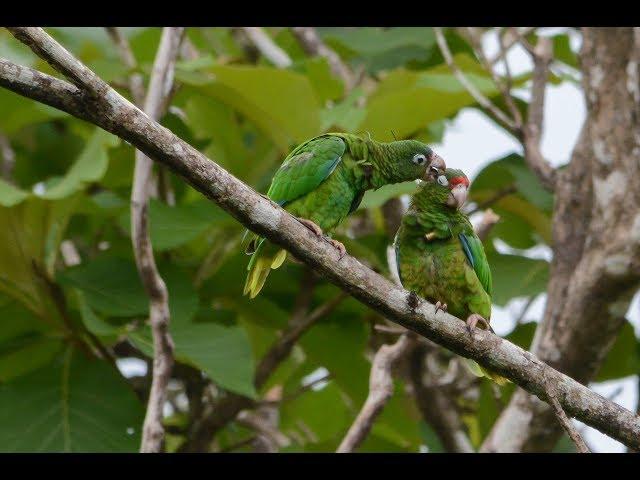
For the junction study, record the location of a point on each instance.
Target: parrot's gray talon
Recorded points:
(473, 320)
(339, 245)
(311, 226)
(441, 306)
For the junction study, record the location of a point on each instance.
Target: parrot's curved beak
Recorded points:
(458, 196)
(435, 168)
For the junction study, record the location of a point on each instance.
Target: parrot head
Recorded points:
(450, 187)
(417, 161)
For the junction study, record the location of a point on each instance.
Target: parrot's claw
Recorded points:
(441, 306)
(311, 226)
(339, 245)
(473, 320)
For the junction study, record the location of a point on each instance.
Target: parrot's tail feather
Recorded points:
(259, 267)
(480, 371)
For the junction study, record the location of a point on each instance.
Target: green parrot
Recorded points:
(440, 257)
(324, 179)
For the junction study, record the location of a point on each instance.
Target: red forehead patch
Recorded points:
(458, 180)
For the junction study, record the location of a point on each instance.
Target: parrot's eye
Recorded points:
(442, 180)
(419, 159)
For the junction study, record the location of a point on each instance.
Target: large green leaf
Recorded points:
(280, 102)
(26, 343)
(74, 404)
(306, 414)
(111, 285)
(516, 276)
(526, 212)
(223, 352)
(30, 233)
(624, 357)
(406, 102)
(172, 227)
(90, 166)
(382, 49)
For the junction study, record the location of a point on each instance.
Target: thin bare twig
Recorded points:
(8, 158)
(380, 390)
(482, 100)
(565, 421)
(136, 82)
(474, 35)
(267, 47)
(532, 133)
(160, 86)
(512, 37)
(314, 46)
(115, 114)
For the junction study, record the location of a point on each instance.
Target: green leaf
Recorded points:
(222, 352)
(172, 227)
(74, 404)
(345, 359)
(307, 414)
(111, 286)
(18, 112)
(523, 334)
(280, 102)
(324, 82)
(10, 195)
(345, 115)
(26, 343)
(406, 102)
(516, 276)
(90, 166)
(376, 198)
(624, 357)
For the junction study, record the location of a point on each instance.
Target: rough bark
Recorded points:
(596, 237)
(109, 110)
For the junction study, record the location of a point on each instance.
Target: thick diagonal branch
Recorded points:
(116, 115)
(159, 88)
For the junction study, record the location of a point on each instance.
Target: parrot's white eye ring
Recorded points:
(442, 180)
(419, 159)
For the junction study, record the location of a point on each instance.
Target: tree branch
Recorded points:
(136, 82)
(483, 101)
(116, 115)
(314, 46)
(566, 422)
(160, 86)
(380, 390)
(532, 133)
(267, 47)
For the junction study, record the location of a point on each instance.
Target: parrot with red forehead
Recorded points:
(440, 257)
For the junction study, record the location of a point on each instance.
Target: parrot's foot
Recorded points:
(339, 245)
(441, 306)
(474, 319)
(311, 226)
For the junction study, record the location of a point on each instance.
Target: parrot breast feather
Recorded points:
(306, 168)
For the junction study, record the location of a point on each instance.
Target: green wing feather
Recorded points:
(306, 168)
(474, 251)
